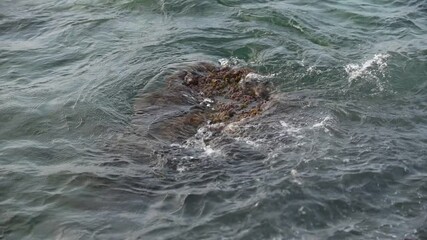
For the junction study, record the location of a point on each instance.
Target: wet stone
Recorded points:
(233, 92)
(197, 95)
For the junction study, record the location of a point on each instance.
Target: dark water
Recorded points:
(341, 154)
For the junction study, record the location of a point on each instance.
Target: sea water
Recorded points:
(341, 154)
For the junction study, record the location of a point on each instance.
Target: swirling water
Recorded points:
(341, 155)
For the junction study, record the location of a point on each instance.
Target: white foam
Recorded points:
(284, 124)
(288, 128)
(377, 64)
(327, 121)
(181, 169)
(323, 123)
(207, 102)
(301, 210)
(232, 128)
(209, 151)
(294, 172)
(256, 76)
(228, 62)
(248, 141)
(313, 70)
(198, 141)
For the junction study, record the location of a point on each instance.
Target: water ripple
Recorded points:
(340, 153)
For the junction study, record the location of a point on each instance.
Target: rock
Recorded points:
(236, 92)
(201, 94)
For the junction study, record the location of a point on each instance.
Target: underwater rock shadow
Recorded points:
(195, 114)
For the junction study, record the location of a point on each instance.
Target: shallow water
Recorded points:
(341, 154)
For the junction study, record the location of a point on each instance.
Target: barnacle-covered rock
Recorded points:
(200, 94)
(234, 93)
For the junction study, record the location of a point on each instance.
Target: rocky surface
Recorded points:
(201, 94)
(227, 93)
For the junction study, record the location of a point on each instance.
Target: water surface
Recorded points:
(341, 155)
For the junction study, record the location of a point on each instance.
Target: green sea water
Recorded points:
(342, 155)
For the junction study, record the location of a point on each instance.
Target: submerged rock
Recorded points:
(201, 94)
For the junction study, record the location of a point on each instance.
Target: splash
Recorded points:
(313, 70)
(371, 70)
(229, 62)
(323, 124)
(377, 64)
(291, 130)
